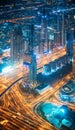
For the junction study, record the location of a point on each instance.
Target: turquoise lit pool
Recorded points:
(55, 115)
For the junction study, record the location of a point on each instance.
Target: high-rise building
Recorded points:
(16, 45)
(29, 61)
(74, 60)
(29, 70)
(45, 38)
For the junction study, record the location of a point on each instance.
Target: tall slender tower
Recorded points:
(16, 45)
(73, 69)
(43, 45)
(33, 71)
(29, 70)
(29, 62)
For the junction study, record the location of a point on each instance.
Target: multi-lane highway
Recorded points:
(17, 72)
(17, 108)
(46, 58)
(20, 113)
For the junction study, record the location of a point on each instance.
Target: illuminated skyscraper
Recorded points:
(74, 60)
(29, 70)
(16, 45)
(33, 71)
(29, 62)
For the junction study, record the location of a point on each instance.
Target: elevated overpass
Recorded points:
(34, 67)
(47, 58)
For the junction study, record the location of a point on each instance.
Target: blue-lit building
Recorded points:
(46, 28)
(29, 70)
(55, 30)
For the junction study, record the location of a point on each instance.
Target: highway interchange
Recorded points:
(17, 108)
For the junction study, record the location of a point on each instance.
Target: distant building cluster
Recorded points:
(35, 30)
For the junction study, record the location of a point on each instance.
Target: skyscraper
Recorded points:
(29, 62)
(29, 70)
(16, 45)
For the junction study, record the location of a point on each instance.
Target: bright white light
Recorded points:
(51, 28)
(7, 69)
(60, 47)
(37, 56)
(72, 59)
(62, 110)
(46, 73)
(6, 50)
(57, 68)
(52, 70)
(38, 26)
(50, 52)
